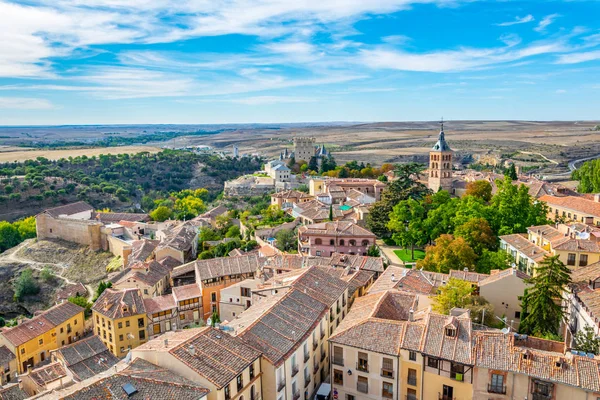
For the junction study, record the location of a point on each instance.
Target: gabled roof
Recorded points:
(47, 374)
(524, 246)
(469, 276)
(181, 237)
(336, 228)
(220, 267)
(114, 217)
(116, 304)
(579, 204)
(504, 274)
(6, 355)
(150, 273)
(160, 303)
(149, 380)
(12, 392)
(42, 323)
(86, 358)
(69, 209)
(291, 194)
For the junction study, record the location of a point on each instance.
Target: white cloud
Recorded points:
(25, 103)
(545, 22)
(262, 100)
(518, 20)
(560, 91)
(454, 60)
(576, 58)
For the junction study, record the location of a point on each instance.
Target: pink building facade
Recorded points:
(326, 238)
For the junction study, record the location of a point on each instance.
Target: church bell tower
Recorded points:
(440, 165)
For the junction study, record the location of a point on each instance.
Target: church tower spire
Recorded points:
(440, 164)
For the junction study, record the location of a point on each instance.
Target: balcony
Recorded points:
(306, 357)
(322, 334)
(280, 385)
(387, 372)
(306, 381)
(386, 394)
(315, 345)
(444, 397)
(541, 396)
(412, 380)
(362, 387)
(363, 367)
(323, 356)
(294, 370)
(411, 397)
(498, 389)
(338, 310)
(338, 360)
(330, 317)
(316, 368)
(296, 395)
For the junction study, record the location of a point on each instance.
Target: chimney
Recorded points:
(192, 350)
(166, 342)
(411, 315)
(597, 197)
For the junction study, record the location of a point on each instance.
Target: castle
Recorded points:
(440, 165)
(305, 149)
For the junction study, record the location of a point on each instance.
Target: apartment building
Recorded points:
(327, 238)
(371, 187)
(120, 319)
(573, 208)
(287, 198)
(177, 310)
(582, 302)
(503, 290)
(236, 299)
(222, 363)
(32, 340)
(417, 355)
(8, 366)
(151, 277)
(290, 329)
(214, 275)
(513, 366)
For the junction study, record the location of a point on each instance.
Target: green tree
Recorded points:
(26, 228)
(47, 275)
(587, 340)
(215, 319)
(331, 212)
(9, 236)
(161, 213)
(478, 234)
(448, 253)
(25, 285)
(406, 224)
(82, 302)
(233, 232)
(456, 293)
(511, 172)
(489, 260)
(286, 240)
(313, 164)
(480, 189)
(102, 286)
(542, 301)
(373, 251)
(404, 187)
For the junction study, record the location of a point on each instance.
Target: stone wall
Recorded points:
(83, 232)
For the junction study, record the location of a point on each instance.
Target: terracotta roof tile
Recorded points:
(115, 304)
(47, 374)
(574, 203)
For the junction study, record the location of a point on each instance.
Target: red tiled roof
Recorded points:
(578, 204)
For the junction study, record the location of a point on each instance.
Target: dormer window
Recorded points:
(450, 331)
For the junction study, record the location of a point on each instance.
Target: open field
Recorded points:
(11, 154)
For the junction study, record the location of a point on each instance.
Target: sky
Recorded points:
(277, 61)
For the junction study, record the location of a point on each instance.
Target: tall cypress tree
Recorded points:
(541, 303)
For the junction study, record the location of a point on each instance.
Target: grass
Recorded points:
(406, 255)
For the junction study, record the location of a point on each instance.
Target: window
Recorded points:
(22, 350)
(145, 291)
(363, 362)
(457, 372)
(62, 329)
(142, 335)
(127, 324)
(318, 241)
(432, 362)
(362, 384)
(332, 242)
(122, 349)
(412, 377)
(352, 242)
(120, 338)
(251, 370)
(583, 260)
(246, 292)
(120, 325)
(110, 337)
(387, 390)
(156, 329)
(571, 259)
(181, 316)
(542, 388)
(226, 392)
(350, 397)
(213, 297)
(450, 331)
(338, 377)
(240, 382)
(41, 342)
(387, 368)
(342, 242)
(338, 355)
(497, 384)
(412, 355)
(140, 322)
(318, 253)
(365, 242)
(518, 314)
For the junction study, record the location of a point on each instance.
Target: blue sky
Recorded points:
(220, 61)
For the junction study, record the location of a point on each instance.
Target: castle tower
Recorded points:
(304, 148)
(440, 165)
(236, 151)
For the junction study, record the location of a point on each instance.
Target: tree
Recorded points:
(313, 164)
(404, 187)
(480, 189)
(478, 234)
(406, 224)
(489, 260)
(587, 340)
(456, 293)
(286, 240)
(102, 286)
(215, 319)
(511, 172)
(162, 213)
(25, 285)
(233, 232)
(9, 236)
(373, 251)
(82, 302)
(448, 253)
(47, 275)
(542, 301)
(331, 212)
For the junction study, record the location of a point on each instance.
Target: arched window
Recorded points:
(318, 241)
(365, 242)
(352, 242)
(342, 242)
(332, 242)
